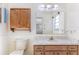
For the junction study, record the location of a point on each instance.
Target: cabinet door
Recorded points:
(25, 18)
(14, 16)
(20, 18)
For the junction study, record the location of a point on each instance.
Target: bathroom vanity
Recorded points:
(56, 47)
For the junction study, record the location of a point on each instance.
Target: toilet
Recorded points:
(21, 45)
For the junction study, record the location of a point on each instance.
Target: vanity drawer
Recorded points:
(56, 47)
(38, 48)
(74, 47)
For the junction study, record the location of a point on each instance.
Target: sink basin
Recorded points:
(55, 41)
(58, 41)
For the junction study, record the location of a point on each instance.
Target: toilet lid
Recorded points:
(17, 52)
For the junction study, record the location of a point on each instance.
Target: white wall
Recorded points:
(3, 34)
(72, 20)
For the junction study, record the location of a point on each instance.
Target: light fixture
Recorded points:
(48, 7)
(55, 7)
(41, 7)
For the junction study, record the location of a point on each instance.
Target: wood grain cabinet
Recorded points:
(20, 18)
(56, 49)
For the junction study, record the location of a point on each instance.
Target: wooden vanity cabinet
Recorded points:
(56, 49)
(20, 18)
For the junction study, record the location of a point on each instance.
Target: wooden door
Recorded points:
(14, 17)
(25, 18)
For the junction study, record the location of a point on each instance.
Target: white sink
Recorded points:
(55, 41)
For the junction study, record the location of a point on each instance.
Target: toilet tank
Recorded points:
(21, 44)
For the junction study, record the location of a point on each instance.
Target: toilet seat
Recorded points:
(17, 52)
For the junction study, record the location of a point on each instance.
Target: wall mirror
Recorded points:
(51, 18)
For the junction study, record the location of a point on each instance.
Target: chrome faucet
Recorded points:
(51, 38)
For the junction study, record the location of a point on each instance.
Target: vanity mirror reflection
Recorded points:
(50, 19)
(39, 25)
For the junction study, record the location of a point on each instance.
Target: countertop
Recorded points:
(55, 42)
